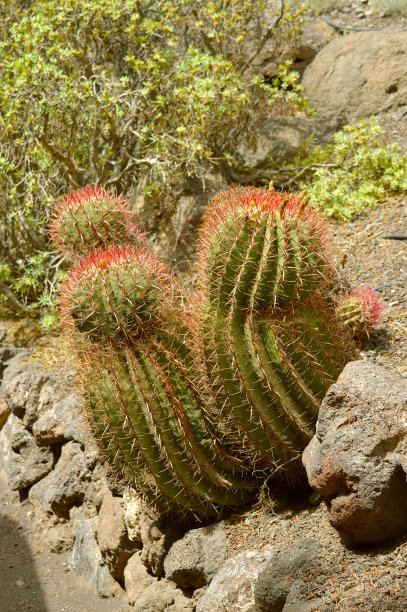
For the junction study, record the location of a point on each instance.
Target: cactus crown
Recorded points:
(116, 293)
(93, 218)
(276, 239)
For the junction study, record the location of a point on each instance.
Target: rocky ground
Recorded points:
(32, 577)
(339, 578)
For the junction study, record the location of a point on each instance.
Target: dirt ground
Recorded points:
(32, 578)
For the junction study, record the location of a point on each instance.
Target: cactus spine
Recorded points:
(272, 342)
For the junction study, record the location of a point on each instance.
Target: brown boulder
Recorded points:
(359, 74)
(357, 458)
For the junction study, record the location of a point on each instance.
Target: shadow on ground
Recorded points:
(20, 587)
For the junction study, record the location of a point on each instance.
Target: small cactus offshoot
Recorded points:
(361, 310)
(93, 218)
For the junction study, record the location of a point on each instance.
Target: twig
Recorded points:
(395, 236)
(11, 300)
(338, 26)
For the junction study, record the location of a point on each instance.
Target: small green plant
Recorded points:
(122, 93)
(352, 174)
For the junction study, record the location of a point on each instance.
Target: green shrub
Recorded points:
(352, 174)
(114, 92)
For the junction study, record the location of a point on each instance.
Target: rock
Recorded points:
(282, 138)
(276, 580)
(86, 559)
(315, 35)
(133, 508)
(22, 462)
(194, 560)
(357, 458)
(112, 535)
(4, 412)
(233, 587)
(60, 423)
(67, 484)
(172, 222)
(136, 578)
(158, 532)
(21, 387)
(162, 596)
(359, 74)
(8, 354)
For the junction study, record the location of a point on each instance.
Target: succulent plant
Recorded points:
(93, 218)
(188, 403)
(143, 394)
(272, 341)
(116, 293)
(361, 310)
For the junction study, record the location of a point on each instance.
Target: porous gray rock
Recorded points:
(86, 559)
(60, 423)
(158, 532)
(194, 560)
(136, 578)
(163, 596)
(359, 74)
(114, 542)
(22, 462)
(357, 457)
(22, 387)
(67, 484)
(233, 587)
(8, 354)
(278, 577)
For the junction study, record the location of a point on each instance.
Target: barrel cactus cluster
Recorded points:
(193, 399)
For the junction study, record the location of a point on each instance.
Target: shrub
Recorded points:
(113, 92)
(352, 174)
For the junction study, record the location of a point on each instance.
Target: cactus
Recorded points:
(272, 341)
(189, 422)
(116, 293)
(145, 404)
(360, 310)
(92, 218)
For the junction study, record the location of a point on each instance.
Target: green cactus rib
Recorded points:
(258, 266)
(194, 429)
(104, 414)
(178, 457)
